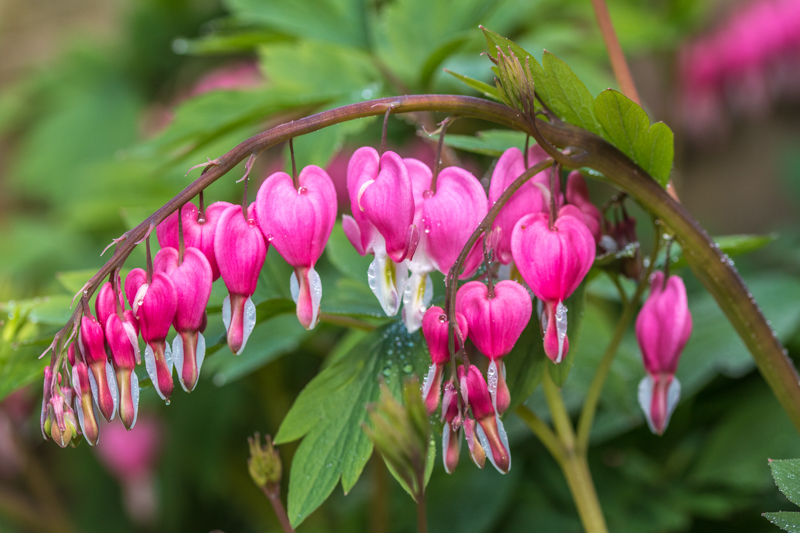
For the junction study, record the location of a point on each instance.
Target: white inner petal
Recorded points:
(417, 297)
(177, 358)
(249, 322)
(135, 397)
(226, 312)
(561, 328)
(150, 365)
(111, 377)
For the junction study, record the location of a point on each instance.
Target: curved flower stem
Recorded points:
(542, 431)
(587, 150)
(573, 463)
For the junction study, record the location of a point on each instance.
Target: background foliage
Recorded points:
(102, 134)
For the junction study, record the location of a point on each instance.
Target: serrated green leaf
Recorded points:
(626, 125)
(333, 21)
(488, 142)
(269, 340)
(786, 521)
(564, 93)
(330, 410)
(484, 88)
(575, 305)
(787, 476)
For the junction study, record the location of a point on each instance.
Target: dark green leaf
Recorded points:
(350, 297)
(344, 257)
(626, 125)
(490, 91)
(331, 408)
(787, 476)
(525, 364)
(575, 305)
(436, 57)
(269, 340)
(786, 521)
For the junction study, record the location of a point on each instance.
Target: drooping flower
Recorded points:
(158, 306)
(435, 328)
(553, 262)
(240, 250)
(578, 195)
(449, 217)
(198, 231)
(84, 405)
(382, 224)
(104, 304)
(91, 342)
(192, 279)
(530, 198)
(60, 422)
(298, 223)
(663, 327)
(451, 433)
(124, 348)
(490, 431)
(495, 323)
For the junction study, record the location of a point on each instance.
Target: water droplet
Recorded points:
(387, 372)
(427, 194)
(408, 368)
(302, 190)
(270, 237)
(167, 401)
(442, 318)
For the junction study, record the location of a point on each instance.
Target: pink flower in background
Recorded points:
(131, 457)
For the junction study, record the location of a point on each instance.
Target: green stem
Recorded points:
(579, 479)
(587, 150)
(542, 431)
(559, 413)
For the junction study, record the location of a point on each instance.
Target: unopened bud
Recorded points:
(401, 434)
(264, 463)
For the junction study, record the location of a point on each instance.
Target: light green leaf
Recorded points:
(525, 365)
(786, 521)
(334, 21)
(485, 89)
(626, 125)
(564, 93)
(488, 142)
(436, 57)
(330, 410)
(269, 340)
(787, 476)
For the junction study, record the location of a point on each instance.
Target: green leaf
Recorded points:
(20, 348)
(787, 476)
(334, 21)
(564, 93)
(485, 89)
(487, 142)
(330, 410)
(786, 521)
(436, 57)
(238, 42)
(575, 305)
(626, 125)
(269, 340)
(347, 296)
(730, 245)
(525, 364)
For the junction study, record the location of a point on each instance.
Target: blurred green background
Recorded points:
(104, 105)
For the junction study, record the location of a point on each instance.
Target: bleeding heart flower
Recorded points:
(495, 323)
(240, 250)
(192, 279)
(449, 217)
(451, 433)
(124, 348)
(382, 223)
(198, 231)
(663, 327)
(435, 328)
(135, 288)
(91, 342)
(298, 223)
(104, 304)
(84, 405)
(156, 311)
(578, 195)
(553, 262)
(490, 430)
(528, 199)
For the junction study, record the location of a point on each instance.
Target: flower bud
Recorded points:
(528, 198)
(663, 327)
(46, 394)
(91, 342)
(490, 431)
(198, 232)
(298, 223)
(476, 451)
(192, 279)
(553, 262)
(264, 463)
(240, 250)
(401, 434)
(83, 403)
(435, 328)
(60, 423)
(105, 305)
